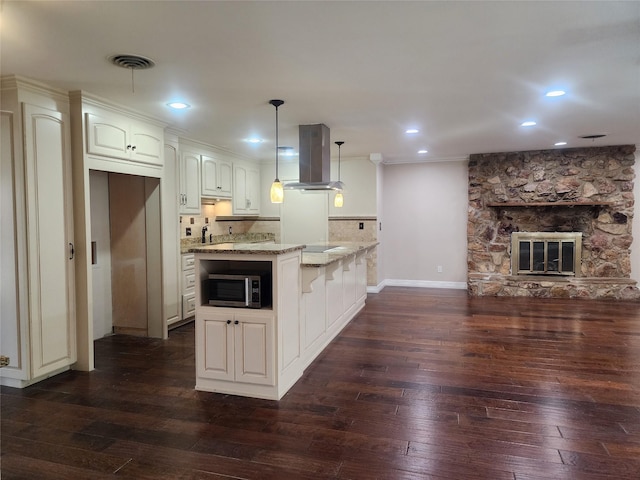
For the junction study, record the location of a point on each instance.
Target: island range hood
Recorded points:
(315, 160)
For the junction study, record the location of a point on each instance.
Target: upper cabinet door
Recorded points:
(105, 136)
(209, 176)
(225, 178)
(146, 143)
(246, 189)
(189, 183)
(121, 137)
(216, 177)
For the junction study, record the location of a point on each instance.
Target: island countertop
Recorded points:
(334, 252)
(247, 248)
(316, 255)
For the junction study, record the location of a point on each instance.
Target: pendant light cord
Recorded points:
(339, 149)
(277, 144)
(277, 103)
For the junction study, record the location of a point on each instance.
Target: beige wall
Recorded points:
(425, 224)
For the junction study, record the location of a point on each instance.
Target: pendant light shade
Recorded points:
(338, 201)
(277, 190)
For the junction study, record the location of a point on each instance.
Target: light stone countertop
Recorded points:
(340, 251)
(186, 244)
(247, 248)
(335, 251)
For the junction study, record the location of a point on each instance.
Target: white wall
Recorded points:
(359, 177)
(425, 224)
(357, 173)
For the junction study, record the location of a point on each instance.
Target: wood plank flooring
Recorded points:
(423, 384)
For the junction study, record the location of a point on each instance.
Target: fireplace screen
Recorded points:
(546, 253)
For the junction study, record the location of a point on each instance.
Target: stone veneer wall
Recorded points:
(347, 229)
(553, 177)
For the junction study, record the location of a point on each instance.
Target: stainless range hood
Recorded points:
(315, 160)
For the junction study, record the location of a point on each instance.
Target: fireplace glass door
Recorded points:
(542, 253)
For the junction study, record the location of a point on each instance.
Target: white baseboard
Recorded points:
(416, 283)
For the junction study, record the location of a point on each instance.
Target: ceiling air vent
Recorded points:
(134, 62)
(593, 137)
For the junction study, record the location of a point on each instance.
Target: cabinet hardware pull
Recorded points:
(133, 148)
(228, 322)
(236, 322)
(72, 251)
(128, 147)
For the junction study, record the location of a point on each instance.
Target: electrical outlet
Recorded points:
(439, 268)
(188, 232)
(361, 226)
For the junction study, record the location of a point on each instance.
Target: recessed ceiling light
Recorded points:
(555, 93)
(411, 130)
(422, 151)
(559, 144)
(528, 123)
(253, 140)
(178, 105)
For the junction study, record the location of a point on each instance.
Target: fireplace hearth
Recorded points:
(552, 223)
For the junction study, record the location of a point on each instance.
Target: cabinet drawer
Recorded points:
(188, 261)
(188, 281)
(188, 305)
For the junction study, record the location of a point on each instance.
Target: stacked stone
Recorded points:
(588, 190)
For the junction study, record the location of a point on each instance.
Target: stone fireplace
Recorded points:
(585, 194)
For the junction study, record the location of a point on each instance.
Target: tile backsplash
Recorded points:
(224, 225)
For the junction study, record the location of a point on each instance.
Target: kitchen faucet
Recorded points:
(204, 229)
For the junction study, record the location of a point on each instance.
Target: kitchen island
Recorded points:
(262, 352)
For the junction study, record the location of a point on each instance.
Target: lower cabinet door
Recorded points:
(214, 356)
(254, 348)
(237, 347)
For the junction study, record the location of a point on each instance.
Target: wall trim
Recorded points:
(390, 282)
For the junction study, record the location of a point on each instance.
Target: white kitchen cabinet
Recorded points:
(188, 284)
(246, 189)
(361, 276)
(38, 323)
(335, 294)
(246, 351)
(189, 195)
(216, 177)
(238, 346)
(171, 264)
(349, 282)
(121, 137)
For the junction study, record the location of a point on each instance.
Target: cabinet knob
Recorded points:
(128, 147)
(228, 322)
(133, 148)
(236, 322)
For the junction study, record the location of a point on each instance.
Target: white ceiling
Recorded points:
(465, 73)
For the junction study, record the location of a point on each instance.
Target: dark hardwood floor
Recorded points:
(423, 384)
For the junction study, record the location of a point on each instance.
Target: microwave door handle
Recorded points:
(246, 292)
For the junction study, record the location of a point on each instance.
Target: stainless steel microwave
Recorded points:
(239, 290)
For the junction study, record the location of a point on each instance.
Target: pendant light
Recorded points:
(338, 201)
(277, 191)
